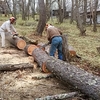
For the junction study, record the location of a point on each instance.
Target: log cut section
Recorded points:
(79, 78)
(29, 49)
(16, 41)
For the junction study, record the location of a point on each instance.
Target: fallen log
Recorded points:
(79, 78)
(59, 96)
(13, 67)
(16, 41)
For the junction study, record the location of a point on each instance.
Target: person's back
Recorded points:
(54, 36)
(52, 31)
(5, 25)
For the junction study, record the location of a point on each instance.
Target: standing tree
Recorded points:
(60, 17)
(14, 8)
(64, 8)
(48, 9)
(7, 2)
(85, 12)
(42, 18)
(33, 9)
(72, 10)
(95, 16)
(23, 9)
(79, 20)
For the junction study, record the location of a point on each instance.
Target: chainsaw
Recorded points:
(43, 46)
(15, 35)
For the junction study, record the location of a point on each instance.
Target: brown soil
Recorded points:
(27, 84)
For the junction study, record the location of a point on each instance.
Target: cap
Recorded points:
(12, 18)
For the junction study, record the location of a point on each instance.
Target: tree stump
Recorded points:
(65, 48)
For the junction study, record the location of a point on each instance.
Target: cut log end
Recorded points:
(21, 44)
(72, 53)
(29, 49)
(44, 69)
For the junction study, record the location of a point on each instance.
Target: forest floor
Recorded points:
(29, 84)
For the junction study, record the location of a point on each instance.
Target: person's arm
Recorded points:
(60, 32)
(48, 36)
(13, 29)
(8, 28)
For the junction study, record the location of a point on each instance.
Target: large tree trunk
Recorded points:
(79, 78)
(95, 16)
(80, 25)
(42, 18)
(72, 10)
(85, 12)
(65, 48)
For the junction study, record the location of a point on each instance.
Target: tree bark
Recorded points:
(95, 16)
(65, 48)
(77, 77)
(13, 67)
(80, 25)
(42, 18)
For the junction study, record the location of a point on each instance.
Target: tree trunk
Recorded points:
(79, 20)
(23, 10)
(72, 10)
(14, 8)
(79, 78)
(42, 18)
(65, 48)
(85, 12)
(60, 16)
(16, 41)
(95, 16)
(9, 7)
